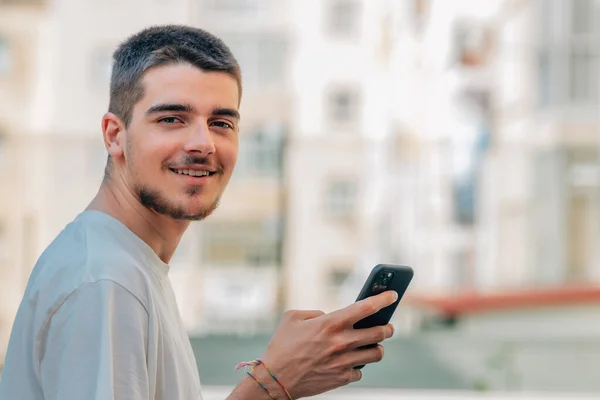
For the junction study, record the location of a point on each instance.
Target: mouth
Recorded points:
(192, 173)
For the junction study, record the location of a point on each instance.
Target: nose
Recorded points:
(200, 140)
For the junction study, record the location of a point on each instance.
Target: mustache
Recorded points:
(189, 160)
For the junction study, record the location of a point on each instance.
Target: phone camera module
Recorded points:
(386, 277)
(385, 280)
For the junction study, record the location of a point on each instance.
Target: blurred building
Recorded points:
(337, 163)
(460, 138)
(543, 225)
(19, 24)
(524, 79)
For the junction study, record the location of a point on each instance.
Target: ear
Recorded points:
(113, 133)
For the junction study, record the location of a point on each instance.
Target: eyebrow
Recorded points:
(174, 107)
(225, 112)
(170, 108)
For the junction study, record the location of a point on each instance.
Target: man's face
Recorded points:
(182, 142)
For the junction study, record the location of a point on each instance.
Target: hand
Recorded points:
(312, 352)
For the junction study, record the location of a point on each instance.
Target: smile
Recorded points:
(192, 172)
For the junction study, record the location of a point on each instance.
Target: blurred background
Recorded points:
(459, 137)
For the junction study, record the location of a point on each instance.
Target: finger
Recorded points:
(352, 375)
(363, 308)
(303, 315)
(310, 314)
(364, 356)
(368, 336)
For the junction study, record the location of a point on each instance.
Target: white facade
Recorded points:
(541, 225)
(537, 194)
(336, 167)
(372, 101)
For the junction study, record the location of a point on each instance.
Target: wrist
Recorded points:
(280, 385)
(259, 372)
(266, 377)
(248, 389)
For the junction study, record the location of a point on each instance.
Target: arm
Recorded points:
(95, 346)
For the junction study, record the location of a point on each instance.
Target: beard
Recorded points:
(155, 201)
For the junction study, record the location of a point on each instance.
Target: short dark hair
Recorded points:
(163, 45)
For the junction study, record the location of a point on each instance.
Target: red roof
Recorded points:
(478, 302)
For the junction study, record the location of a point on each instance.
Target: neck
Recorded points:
(160, 232)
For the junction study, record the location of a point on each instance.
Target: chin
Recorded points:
(199, 212)
(189, 208)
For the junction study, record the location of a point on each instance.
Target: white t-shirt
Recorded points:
(99, 320)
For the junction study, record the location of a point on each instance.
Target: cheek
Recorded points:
(228, 153)
(232, 159)
(146, 161)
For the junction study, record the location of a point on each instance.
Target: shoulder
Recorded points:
(103, 299)
(85, 257)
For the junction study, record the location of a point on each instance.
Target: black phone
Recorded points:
(384, 277)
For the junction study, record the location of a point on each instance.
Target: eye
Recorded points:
(222, 124)
(169, 120)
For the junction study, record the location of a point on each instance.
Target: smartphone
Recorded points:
(384, 277)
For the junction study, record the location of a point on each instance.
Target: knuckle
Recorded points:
(290, 314)
(391, 331)
(338, 345)
(379, 353)
(349, 377)
(330, 326)
(355, 375)
(381, 334)
(369, 308)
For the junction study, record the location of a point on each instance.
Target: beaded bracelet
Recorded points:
(256, 363)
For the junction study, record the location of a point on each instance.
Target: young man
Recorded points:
(98, 319)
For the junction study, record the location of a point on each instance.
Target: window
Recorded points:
(5, 58)
(341, 198)
(580, 247)
(262, 57)
(343, 18)
(261, 155)
(247, 243)
(337, 276)
(568, 52)
(419, 10)
(344, 105)
(471, 43)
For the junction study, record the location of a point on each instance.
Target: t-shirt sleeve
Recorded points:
(95, 346)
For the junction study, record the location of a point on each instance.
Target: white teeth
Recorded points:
(191, 172)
